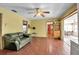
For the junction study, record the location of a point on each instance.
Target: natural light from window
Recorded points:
(71, 28)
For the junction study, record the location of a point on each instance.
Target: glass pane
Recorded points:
(71, 28)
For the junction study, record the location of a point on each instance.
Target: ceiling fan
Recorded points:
(39, 12)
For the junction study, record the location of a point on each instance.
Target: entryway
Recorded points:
(50, 29)
(53, 29)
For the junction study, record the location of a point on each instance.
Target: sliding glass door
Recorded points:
(71, 29)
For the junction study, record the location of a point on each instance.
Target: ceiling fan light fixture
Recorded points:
(39, 14)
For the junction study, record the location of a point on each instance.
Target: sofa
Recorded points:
(15, 41)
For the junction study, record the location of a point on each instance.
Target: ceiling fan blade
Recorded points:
(14, 11)
(34, 15)
(42, 15)
(46, 12)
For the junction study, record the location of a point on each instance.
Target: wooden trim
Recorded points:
(70, 14)
(1, 41)
(0, 24)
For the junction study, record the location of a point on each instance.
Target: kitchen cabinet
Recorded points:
(56, 30)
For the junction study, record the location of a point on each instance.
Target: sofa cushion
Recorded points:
(21, 36)
(14, 35)
(18, 39)
(7, 36)
(20, 33)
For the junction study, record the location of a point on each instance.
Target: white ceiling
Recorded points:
(56, 9)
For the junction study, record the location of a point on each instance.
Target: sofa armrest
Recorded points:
(17, 45)
(17, 39)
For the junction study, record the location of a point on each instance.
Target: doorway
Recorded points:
(1, 46)
(50, 29)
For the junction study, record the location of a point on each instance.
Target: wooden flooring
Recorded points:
(41, 46)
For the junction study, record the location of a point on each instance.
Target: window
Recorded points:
(71, 25)
(25, 26)
(71, 28)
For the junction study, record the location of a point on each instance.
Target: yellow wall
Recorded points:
(41, 29)
(29, 22)
(11, 22)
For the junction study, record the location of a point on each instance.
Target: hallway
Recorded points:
(41, 46)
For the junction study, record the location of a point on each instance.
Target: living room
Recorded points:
(43, 26)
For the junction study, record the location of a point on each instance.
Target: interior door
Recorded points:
(50, 30)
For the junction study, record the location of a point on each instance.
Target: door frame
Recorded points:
(47, 27)
(1, 41)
